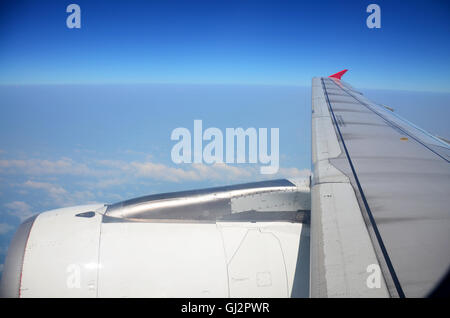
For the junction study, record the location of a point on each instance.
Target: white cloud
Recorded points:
(160, 172)
(125, 172)
(50, 188)
(292, 173)
(60, 196)
(5, 228)
(109, 173)
(45, 177)
(63, 166)
(187, 172)
(20, 209)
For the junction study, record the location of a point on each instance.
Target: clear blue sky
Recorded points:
(243, 41)
(86, 115)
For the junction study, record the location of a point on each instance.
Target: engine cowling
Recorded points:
(241, 241)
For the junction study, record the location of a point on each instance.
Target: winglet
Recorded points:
(338, 75)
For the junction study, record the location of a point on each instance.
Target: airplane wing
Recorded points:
(380, 199)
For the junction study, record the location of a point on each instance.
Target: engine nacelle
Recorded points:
(227, 242)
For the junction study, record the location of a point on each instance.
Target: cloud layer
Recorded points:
(65, 182)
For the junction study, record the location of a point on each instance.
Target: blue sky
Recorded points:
(268, 42)
(86, 114)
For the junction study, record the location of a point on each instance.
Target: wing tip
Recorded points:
(338, 75)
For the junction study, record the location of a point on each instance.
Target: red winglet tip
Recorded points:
(338, 75)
